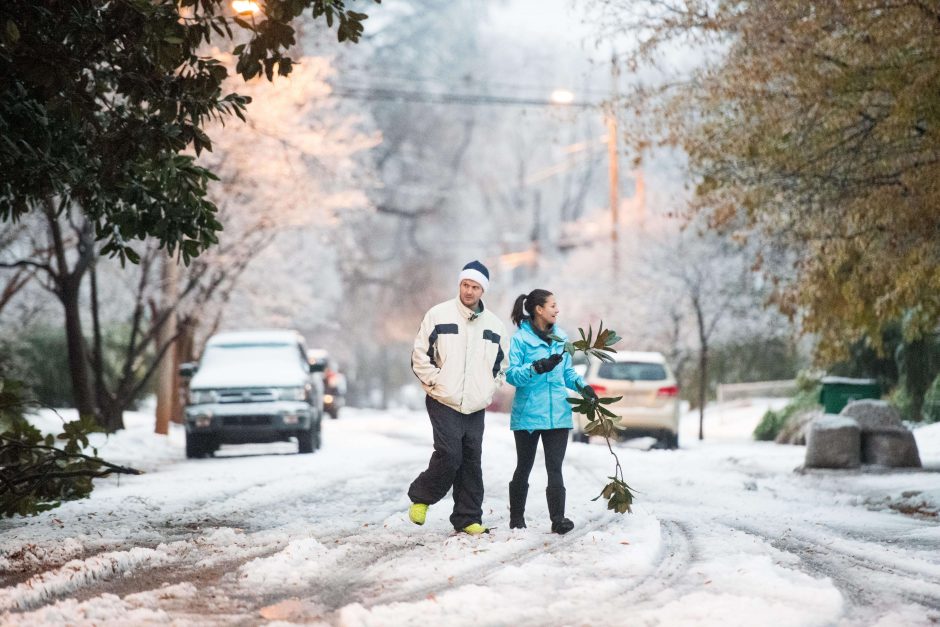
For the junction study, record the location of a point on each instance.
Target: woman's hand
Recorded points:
(541, 366)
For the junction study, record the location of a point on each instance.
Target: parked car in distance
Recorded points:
(252, 386)
(650, 403)
(334, 381)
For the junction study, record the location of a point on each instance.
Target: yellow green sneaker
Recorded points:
(475, 529)
(417, 513)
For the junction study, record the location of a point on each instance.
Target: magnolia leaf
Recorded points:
(606, 412)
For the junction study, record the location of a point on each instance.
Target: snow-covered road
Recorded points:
(724, 533)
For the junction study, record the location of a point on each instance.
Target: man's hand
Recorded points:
(541, 366)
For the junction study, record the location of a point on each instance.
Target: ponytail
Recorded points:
(524, 307)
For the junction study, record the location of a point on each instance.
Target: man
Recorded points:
(460, 357)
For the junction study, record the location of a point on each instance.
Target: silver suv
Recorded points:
(253, 386)
(650, 403)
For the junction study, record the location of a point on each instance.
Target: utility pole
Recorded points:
(166, 382)
(613, 174)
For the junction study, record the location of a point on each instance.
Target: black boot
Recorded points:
(517, 496)
(556, 510)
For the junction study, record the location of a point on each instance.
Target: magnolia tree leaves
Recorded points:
(600, 346)
(601, 420)
(38, 471)
(104, 122)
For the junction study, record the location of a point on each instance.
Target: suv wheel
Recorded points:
(307, 441)
(580, 436)
(671, 441)
(197, 445)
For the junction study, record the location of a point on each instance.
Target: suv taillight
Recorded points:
(671, 390)
(599, 389)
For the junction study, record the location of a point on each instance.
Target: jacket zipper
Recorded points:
(551, 397)
(466, 365)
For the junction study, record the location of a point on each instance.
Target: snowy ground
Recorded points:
(724, 533)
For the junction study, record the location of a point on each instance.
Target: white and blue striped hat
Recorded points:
(476, 271)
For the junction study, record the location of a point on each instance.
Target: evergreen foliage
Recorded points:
(102, 102)
(773, 421)
(35, 474)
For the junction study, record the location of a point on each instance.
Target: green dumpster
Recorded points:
(837, 392)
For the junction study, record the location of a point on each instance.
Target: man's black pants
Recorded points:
(554, 443)
(456, 461)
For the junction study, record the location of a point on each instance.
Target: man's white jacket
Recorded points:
(460, 356)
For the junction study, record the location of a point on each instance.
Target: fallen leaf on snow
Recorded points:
(291, 610)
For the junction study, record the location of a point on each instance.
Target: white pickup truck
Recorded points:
(253, 386)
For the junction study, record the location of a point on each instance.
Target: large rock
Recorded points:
(794, 431)
(873, 415)
(833, 442)
(894, 448)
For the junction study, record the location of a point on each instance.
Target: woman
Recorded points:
(541, 371)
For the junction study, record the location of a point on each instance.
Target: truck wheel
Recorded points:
(672, 441)
(195, 445)
(306, 441)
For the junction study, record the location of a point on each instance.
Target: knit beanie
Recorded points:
(476, 271)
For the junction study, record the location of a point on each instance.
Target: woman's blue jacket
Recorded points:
(541, 400)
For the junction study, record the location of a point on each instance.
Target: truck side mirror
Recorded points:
(317, 366)
(187, 370)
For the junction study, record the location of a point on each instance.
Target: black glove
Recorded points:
(541, 366)
(588, 392)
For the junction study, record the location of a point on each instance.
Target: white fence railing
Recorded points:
(766, 389)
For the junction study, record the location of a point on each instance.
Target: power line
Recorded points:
(451, 82)
(426, 97)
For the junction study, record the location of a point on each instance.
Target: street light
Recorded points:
(562, 96)
(246, 6)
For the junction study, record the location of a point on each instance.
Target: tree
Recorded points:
(389, 256)
(274, 263)
(98, 107)
(812, 128)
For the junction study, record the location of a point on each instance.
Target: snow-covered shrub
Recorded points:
(932, 402)
(770, 425)
(807, 399)
(900, 399)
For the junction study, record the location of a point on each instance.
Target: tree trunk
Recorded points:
(75, 341)
(110, 408)
(702, 387)
(166, 377)
(68, 284)
(111, 414)
(384, 376)
(184, 353)
(702, 366)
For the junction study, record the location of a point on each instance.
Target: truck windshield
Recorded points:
(255, 356)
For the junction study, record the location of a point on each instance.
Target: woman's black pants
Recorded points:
(554, 444)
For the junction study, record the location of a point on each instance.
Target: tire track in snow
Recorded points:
(675, 558)
(146, 567)
(860, 578)
(672, 563)
(484, 572)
